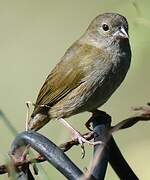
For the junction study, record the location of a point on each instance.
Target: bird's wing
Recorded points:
(66, 76)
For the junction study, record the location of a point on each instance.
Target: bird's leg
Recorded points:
(77, 135)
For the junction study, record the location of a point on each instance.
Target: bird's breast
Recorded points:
(106, 82)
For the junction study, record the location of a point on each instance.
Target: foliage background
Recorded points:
(34, 34)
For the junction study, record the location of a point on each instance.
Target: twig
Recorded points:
(144, 115)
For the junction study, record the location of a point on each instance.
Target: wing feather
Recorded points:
(68, 74)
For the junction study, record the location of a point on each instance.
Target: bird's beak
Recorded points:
(121, 33)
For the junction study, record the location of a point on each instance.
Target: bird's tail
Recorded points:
(38, 121)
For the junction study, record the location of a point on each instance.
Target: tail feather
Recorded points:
(38, 121)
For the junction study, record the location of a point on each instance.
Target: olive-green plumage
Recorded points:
(88, 73)
(68, 74)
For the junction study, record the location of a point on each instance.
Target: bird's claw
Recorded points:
(82, 140)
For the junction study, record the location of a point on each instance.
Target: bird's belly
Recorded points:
(81, 99)
(99, 97)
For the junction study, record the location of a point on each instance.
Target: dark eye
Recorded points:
(105, 27)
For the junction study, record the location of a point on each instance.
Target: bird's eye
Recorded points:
(105, 27)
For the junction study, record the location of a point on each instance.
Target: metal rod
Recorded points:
(50, 151)
(119, 164)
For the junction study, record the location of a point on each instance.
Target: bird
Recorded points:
(87, 75)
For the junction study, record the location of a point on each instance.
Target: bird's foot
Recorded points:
(81, 139)
(77, 136)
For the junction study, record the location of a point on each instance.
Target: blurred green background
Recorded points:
(34, 35)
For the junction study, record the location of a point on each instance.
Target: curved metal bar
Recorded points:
(109, 151)
(119, 164)
(50, 151)
(101, 124)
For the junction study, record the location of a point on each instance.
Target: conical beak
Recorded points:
(121, 33)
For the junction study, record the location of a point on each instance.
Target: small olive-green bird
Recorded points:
(88, 73)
